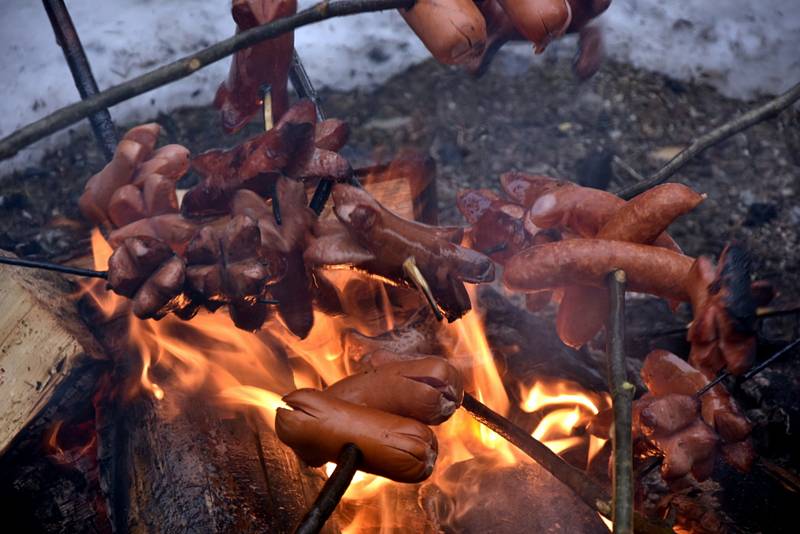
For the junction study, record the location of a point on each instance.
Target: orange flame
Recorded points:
(240, 369)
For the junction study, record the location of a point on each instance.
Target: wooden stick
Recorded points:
(715, 136)
(622, 397)
(332, 492)
(67, 38)
(186, 66)
(584, 487)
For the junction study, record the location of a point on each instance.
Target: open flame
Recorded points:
(208, 355)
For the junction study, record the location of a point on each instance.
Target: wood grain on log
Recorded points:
(42, 343)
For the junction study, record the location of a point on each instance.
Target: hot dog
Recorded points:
(454, 31)
(427, 389)
(318, 425)
(540, 21)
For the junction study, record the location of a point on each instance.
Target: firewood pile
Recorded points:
(295, 344)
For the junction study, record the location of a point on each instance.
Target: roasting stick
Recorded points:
(583, 486)
(77, 271)
(332, 491)
(67, 38)
(714, 137)
(186, 66)
(621, 398)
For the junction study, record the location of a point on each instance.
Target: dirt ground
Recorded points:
(523, 116)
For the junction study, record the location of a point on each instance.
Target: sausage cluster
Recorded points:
(384, 411)
(368, 237)
(469, 32)
(265, 63)
(688, 432)
(223, 244)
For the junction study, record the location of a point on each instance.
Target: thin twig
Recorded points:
(70, 43)
(332, 492)
(621, 397)
(633, 173)
(575, 479)
(715, 136)
(186, 66)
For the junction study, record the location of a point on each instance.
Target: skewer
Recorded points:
(749, 374)
(77, 271)
(332, 491)
(413, 272)
(265, 93)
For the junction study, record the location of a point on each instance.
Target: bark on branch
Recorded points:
(715, 136)
(184, 67)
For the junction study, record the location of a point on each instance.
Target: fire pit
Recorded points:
(130, 447)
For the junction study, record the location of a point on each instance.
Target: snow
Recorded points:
(742, 47)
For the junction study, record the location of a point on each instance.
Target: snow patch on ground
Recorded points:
(740, 46)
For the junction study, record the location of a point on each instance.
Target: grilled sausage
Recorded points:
(454, 31)
(588, 261)
(319, 425)
(427, 389)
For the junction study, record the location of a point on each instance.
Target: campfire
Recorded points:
(295, 344)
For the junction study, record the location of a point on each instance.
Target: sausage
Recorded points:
(499, 30)
(664, 373)
(497, 226)
(688, 450)
(319, 425)
(266, 62)
(668, 414)
(644, 219)
(418, 335)
(255, 164)
(427, 389)
(392, 240)
(584, 11)
(590, 53)
(133, 261)
(582, 210)
(170, 161)
(588, 261)
(134, 148)
(126, 206)
(525, 189)
(540, 21)
(159, 195)
(454, 31)
(161, 291)
(397, 239)
(171, 228)
(331, 134)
